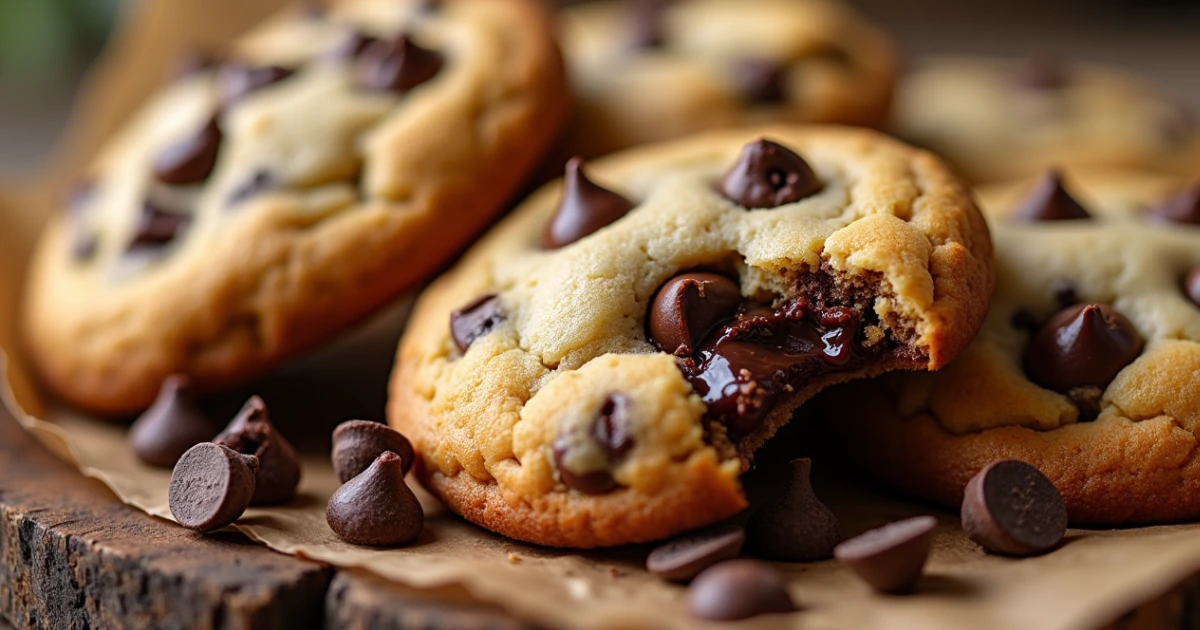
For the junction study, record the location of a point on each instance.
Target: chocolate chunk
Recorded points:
(260, 181)
(792, 525)
(376, 508)
(157, 227)
(396, 65)
(1010, 507)
(351, 45)
(1049, 201)
(684, 557)
(768, 175)
(761, 81)
(1182, 208)
(585, 208)
(1191, 285)
(475, 320)
(357, 443)
(1042, 72)
(251, 433)
(190, 160)
(1086, 344)
(237, 80)
(892, 557)
(585, 461)
(171, 426)
(738, 589)
(1065, 295)
(211, 486)
(687, 307)
(646, 24)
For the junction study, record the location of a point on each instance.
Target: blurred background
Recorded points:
(46, 47)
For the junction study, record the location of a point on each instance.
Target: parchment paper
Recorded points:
(1095, 577)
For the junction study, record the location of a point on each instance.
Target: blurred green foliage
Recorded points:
(44, 41)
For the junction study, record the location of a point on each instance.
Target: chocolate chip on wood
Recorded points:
(793, 525)
(686, 556)
(738, 589)
(890, 558)
(357, 443)
(1010, 507)
(172, 425)
(252, 433)
(376, 508)
(211, 486)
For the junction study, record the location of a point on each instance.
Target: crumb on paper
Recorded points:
(514, 558)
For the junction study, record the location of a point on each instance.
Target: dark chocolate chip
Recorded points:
(351, 45)
(761, 81)
(396, 64)
(475, 320)
(251, 433)
(1049, 201)
(687, 307)
(646, 24)
(1086, 344)
(376, 508)
(609, 438)
(211, 486)
(1040, 72)
(738, 589)
(1065, 295)
(171, 426)
(191, 159)
(237, 80)
(1191, 285)
(792, 525)
(157, 227)
(1181, 208)
(260, 181)
(1010, 507)
(686, 556)
(585, 208)
(892, 557)
(768, 175)
(357, 443)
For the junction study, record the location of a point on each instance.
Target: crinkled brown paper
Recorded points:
(1094, 578)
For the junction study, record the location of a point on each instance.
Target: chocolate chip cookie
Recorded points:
(602, 366)
(997, 119)
(260, 204)
(1086, 367)
(647, 70)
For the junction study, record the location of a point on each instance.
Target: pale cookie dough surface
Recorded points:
(803, 60)
(1137, 460)
(573, 335)
(327, 198)
(983, 117)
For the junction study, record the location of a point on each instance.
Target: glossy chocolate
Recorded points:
(475, 320)
(768, 175)
(610, 431)
(1049, 201)
(192, 159)
(396, 65)
(687, 307)
(585, 207)
(1083, 345)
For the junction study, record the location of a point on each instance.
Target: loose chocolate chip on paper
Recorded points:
(768, 175)
(475, 320)
(192, 159)
(397, 65)
(376, 508)
(585, 208)
(1191, 285)
(1183, 207)
(890, 558)
(688, 555)
(211, 486)
(238, 79)
(357, 443)
(1011, 508)
(608, 438)
(1050, 201)
(792, 525)
(251, 433)
(1083, 345)
(171, 426)
(738, 589)
(761, 81)
(687, 307)
(157, 227)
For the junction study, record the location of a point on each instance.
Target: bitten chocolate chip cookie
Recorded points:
(258, 206)
(1087, 366)
(603, 365)
(647, 70)
(996, 119)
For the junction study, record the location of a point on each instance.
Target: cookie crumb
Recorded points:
(514, 558)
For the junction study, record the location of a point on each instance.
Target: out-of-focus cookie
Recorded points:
(259, 205)
(997, 119)
(1088, 366)
(602, 366)
(647, 70)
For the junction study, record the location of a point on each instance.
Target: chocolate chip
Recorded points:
(768, 175)
(357, 443)
(351, 45)
(376, 508)
(475, 320)
(1041, 72)
(237, 80)
(738, 589)
(892, 557)
(585, 460)
(792, 525)
(684, 557)
(211, 486)
(396, 64)
(1181, 208)
(191, 159)
(1049, 201)
(1010, 507)
(260, 181)
(157, 227)
(687, 307)
(251, 433)
(1086, 344)
(646, 24)
(171, 426)
(1065, 295)
(1191, 285)
(761, 81)
(585, 208)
